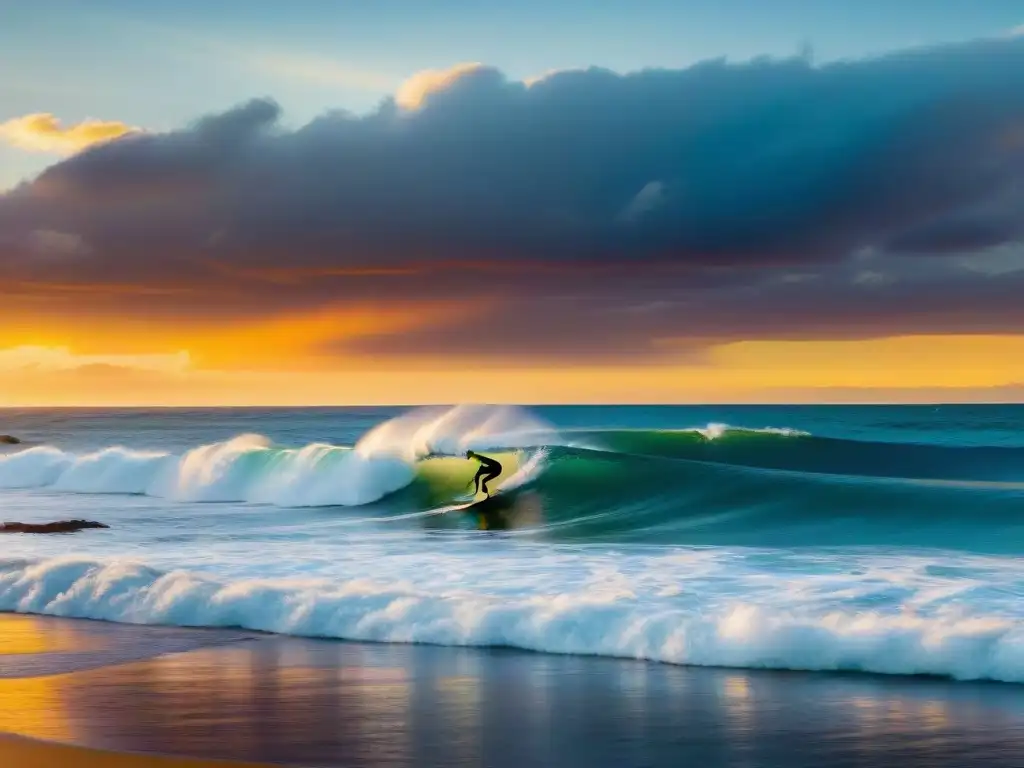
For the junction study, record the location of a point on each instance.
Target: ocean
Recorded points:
(882, 539)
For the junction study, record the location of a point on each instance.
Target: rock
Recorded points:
(63, 526)
(9, 440)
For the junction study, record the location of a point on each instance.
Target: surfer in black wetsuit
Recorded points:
(489, 470)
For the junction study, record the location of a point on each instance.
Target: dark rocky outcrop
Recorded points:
(9, 440)
(63, 526)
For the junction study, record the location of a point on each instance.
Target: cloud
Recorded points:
(567, 204)
(995, 220)
(414, 92)
(39, 359)
(59, 245)
(647, 199)
(43, 245)
(534, 79)
(43, 132)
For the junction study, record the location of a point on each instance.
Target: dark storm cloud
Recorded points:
(549, 329)
(993, 222)
(680, 190)
(678, 325)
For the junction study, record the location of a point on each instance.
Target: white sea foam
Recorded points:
(714, 431)
(528, 471)
(644, 607)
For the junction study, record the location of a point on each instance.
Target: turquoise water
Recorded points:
(882, 539)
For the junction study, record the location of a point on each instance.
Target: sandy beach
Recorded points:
(29, 753)
(107, 695)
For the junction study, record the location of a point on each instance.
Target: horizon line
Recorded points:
(695, 404)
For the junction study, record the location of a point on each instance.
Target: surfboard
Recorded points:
(480, 501)
(496, 499)
(451, 508)
(481, 497)
(447, 478)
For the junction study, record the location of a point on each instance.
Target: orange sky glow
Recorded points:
(276, 363)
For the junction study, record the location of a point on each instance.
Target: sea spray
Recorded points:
(454, 430)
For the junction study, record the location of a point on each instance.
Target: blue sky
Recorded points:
(162, 63)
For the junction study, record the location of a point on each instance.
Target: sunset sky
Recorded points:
(318, 202)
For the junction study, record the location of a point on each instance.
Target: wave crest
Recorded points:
(247, 468)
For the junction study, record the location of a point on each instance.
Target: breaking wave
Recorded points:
(909, 628)
(249, 468)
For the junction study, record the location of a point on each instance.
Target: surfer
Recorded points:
(489, 470)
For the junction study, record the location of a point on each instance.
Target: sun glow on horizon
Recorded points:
(900, 369)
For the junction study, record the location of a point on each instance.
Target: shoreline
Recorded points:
(194, 639)
(108, 695)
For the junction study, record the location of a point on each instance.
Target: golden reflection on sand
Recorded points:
(738, 704)
(20, 752)
(34, 706)
(222, 702)
(21, 634)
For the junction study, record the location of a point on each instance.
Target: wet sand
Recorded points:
(247, 697)
(28, 753)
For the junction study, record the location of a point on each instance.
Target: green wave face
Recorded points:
(806, 453)
(680, 488)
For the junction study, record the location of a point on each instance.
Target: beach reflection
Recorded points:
(35, 707)
(21, 634)
(33, 704)
(328, 703)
